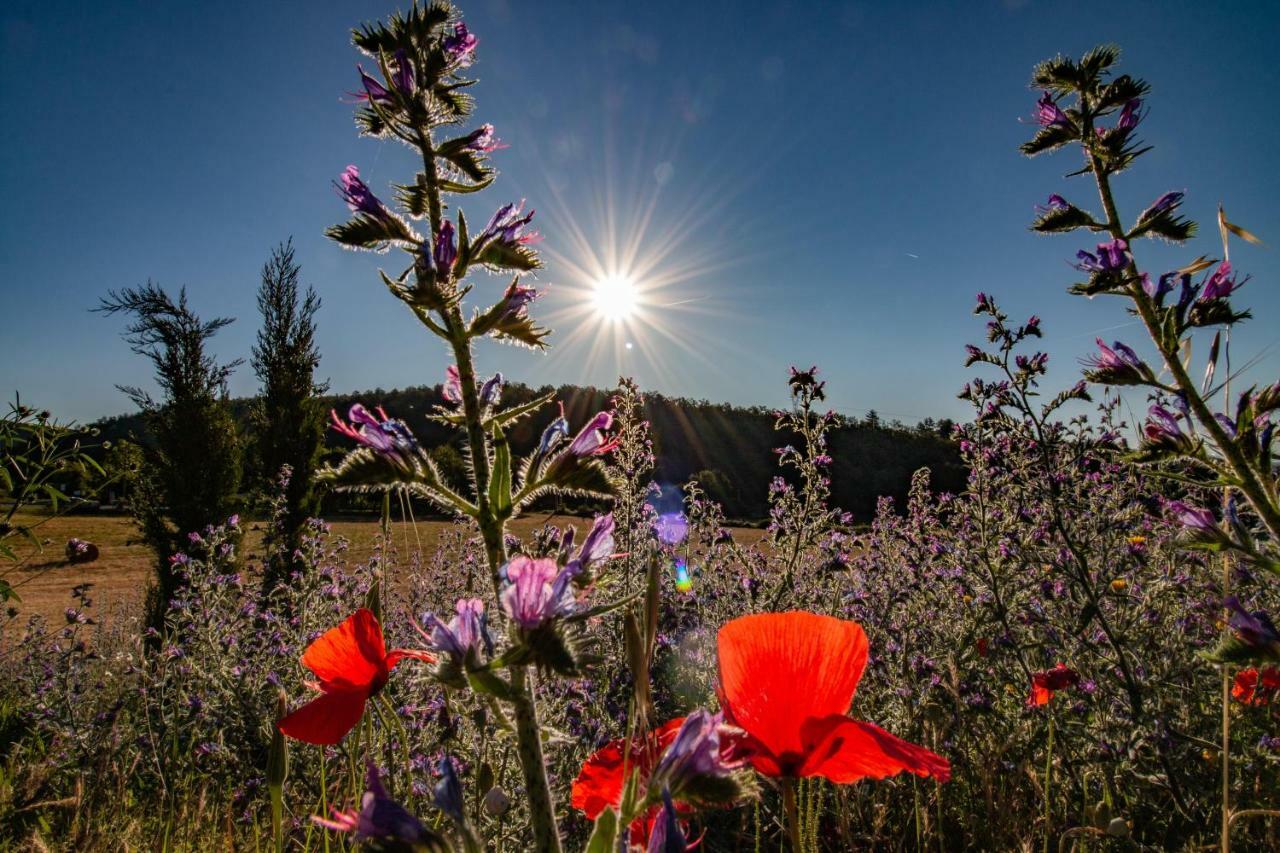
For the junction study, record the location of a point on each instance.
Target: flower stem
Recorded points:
(542, 811)
(793, 814)
(1048, 783)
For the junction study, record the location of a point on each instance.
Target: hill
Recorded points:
(871, 458)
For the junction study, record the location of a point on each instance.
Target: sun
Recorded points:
(615, 296)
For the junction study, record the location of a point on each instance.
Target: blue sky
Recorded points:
(807, 182)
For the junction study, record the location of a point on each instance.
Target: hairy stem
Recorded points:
(546, 838)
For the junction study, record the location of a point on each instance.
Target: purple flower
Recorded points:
(516, 300)
(1164, 204)
(373, 90)
(1054, 202)
(1117, 365)
(597, 546)
(537, 591)
(666, 837)
(1163, 431)
(447, 795)
(507, 226)
(445, 252)
(1049, 114)
(483, 140)
(1111, 257)
(358, 196)
(592, 441)
(386, 437)
(1221, 283)
(403, 77)
(671, 528)
(1161, 288)
(695, 753)
(556, 431)
(1129, 116)
(491, 390)
(1193, 518)
(461, 46)
(463, 635)
(452, 389)
(1255, 629)
(380, 818)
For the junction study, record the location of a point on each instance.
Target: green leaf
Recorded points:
(604, 837)
(6, 589)
(500, 477)
(514, 414)
(1049, 139)
(1059, 220)
(374, 233)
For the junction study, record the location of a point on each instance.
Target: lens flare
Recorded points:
(684, 583)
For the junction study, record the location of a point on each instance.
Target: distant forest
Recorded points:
(727, 448)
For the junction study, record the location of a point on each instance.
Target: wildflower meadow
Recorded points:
(1068, 646)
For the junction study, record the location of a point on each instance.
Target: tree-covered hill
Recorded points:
(729, 448)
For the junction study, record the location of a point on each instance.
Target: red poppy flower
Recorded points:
(1045, 684)
(599, 785)
(788, 680)
(352, 664)
(1254, 688)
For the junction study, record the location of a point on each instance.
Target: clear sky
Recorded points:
(792, 182)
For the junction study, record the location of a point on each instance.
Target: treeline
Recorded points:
(728, 448)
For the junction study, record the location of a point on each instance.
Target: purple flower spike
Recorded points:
(452, 389)
(483, 140)
(537, 591)
(445, 252)
(461, 46)
(1049, 114)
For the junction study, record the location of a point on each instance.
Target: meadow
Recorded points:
(1068, 646)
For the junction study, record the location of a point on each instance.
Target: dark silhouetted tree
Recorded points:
(288, 417)
(191, 469)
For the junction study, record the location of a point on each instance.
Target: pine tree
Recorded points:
(191, 470)
(288, 417)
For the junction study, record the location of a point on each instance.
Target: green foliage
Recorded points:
(288, 418)
(191, 475)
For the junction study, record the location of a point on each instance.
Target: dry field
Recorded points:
(123, 569)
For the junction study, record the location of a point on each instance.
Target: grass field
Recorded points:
(122, 572)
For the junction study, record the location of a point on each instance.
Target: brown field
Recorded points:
(123, 570)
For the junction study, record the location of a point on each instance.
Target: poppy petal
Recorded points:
(326, 719)
(778, 670)
(599, 784)
(350, 656)
(396, 655)
(845, 750)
